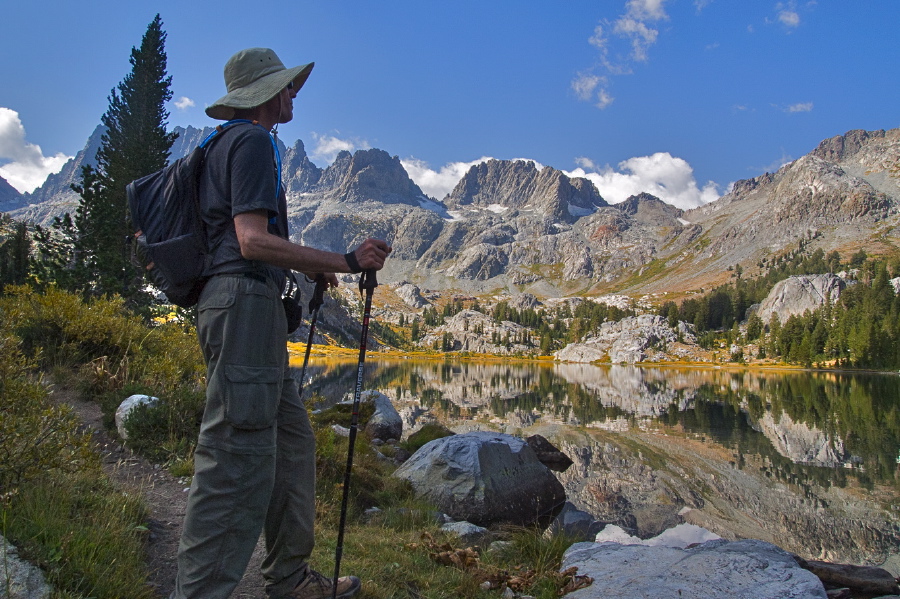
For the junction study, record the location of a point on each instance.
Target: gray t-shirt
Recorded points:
(239, 176)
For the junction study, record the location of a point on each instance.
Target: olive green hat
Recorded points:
(252, 78)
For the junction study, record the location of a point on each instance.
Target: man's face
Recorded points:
(287, 104)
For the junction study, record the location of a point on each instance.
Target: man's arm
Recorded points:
(258, 244)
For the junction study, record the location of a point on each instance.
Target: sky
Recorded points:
(678, 98)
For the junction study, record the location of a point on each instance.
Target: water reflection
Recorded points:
(820, 427)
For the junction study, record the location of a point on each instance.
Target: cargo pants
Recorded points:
(254, 466)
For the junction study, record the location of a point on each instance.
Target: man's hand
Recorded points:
(329, 277)
(372, 254)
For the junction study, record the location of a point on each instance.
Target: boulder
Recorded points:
(795, 295)
(468, 533)
(747, 569)
(485, 478)
(385, 423)
(126, 407)
(411, 294)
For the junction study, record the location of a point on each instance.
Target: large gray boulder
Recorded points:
(747, 569)
(484, 478)
(385, 423)
(796, 295)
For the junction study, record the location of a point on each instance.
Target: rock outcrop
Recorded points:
(630, 340)
(795, 295)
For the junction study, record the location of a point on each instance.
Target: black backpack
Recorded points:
(170, 241)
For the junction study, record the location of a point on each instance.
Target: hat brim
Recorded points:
(259, 92)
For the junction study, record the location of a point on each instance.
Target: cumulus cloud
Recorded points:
(787, 14)
(669, 178)
(183, 103)
(438, 184)
(635, 29)
(327, 147)
(26, 167)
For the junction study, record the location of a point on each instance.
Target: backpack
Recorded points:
(170, 240)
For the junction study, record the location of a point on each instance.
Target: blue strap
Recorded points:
(227, 124)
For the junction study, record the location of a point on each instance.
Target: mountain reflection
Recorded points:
(813, 426)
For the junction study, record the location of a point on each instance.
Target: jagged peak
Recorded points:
(842, 147)
(520, 184)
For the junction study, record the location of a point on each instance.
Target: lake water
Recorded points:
(809, 461)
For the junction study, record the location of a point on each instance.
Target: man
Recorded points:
(255, 457)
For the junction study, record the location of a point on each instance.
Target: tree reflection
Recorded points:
(845, 423)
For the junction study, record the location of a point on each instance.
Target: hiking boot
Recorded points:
(318, 586)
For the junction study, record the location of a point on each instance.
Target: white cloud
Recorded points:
(642, 37)
(438, 184)
(634, 28)
(328, 146)
(183, 103)
(800, 107)
(787, 14)
(662, 175)
(27, 167)
(584, 85)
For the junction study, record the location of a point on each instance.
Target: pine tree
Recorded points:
(15, 248)
(135, 144)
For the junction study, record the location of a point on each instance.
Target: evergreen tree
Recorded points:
(135, 144)
(15, 248)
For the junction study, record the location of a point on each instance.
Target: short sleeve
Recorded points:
(252, 174)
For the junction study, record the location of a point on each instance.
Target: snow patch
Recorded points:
(679, 536)
(578, 211)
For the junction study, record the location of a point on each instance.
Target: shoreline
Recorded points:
(297, 350)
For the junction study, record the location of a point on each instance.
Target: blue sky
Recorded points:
(676, 97)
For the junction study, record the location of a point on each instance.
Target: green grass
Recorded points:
(86, 535)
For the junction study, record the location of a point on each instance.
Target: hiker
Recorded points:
(254, 466)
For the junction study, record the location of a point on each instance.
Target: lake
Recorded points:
(809, 461)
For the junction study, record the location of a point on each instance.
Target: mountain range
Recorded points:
(510, 226)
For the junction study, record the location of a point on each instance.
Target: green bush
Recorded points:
(36, 436)
(113, 354)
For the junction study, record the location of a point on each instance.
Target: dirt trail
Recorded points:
(165, 497)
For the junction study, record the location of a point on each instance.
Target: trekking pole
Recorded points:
(315, 303)
(367, 283)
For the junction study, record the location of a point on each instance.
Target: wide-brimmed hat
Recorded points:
(253, 77)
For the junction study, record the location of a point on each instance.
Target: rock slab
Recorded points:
(18, 578)
(747, 569)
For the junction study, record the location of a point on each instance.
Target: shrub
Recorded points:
(113, 352)
(35, 435)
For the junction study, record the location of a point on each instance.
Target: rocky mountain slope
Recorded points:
(509, 226)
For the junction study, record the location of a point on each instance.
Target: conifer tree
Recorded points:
(135, 144)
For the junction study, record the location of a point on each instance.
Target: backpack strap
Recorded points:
(227, 124)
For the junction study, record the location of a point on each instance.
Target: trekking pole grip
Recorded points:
(318, 297)
(367, 281)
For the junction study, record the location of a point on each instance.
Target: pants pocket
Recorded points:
(251, 396)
